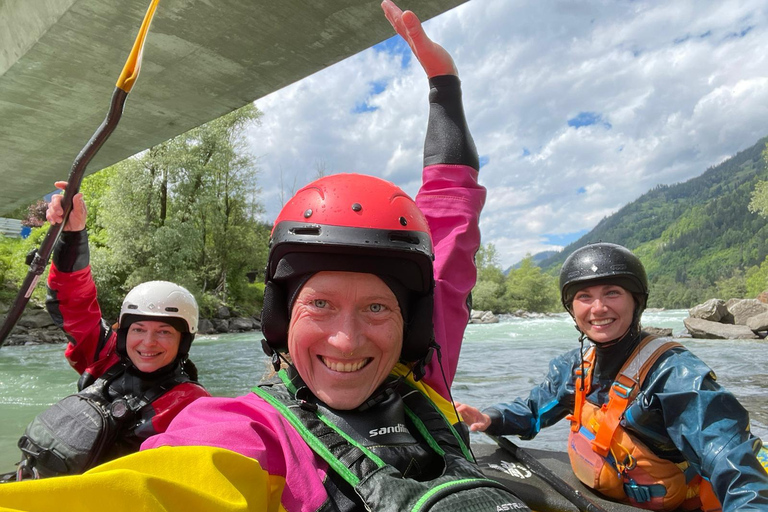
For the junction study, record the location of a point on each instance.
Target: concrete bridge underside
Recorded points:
(60, 59)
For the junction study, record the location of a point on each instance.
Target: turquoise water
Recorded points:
(498, 362)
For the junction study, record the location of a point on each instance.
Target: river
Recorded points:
(498, 362)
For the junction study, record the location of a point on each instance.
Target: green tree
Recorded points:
(759, 202)
(488, 294)
(694, 237)
(529, 289)
(13, 266)
(487, 263)
(734, 287)
(186, 211)
(757, 279)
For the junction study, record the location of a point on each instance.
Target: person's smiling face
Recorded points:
(345, 336)
(603, 312)
(152, 344)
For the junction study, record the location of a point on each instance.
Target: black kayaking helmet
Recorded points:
(351, 223)
(604, 263)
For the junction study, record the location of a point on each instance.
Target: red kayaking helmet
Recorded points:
(351, 223)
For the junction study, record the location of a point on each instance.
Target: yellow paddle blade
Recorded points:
(133, 64)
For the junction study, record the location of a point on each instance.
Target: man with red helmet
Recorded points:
(371, 310)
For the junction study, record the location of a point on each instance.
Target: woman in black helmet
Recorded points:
(650, 425)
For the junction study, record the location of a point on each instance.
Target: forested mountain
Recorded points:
(691, 235)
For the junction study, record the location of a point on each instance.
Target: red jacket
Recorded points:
(72, 303)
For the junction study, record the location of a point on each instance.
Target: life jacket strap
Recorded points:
(626, 387)
(583, 385)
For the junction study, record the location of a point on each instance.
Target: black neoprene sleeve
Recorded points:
(448, 140)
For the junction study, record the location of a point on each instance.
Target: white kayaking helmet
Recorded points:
(160, 301)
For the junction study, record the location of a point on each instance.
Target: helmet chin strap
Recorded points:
(582, 337)
(275, 356)
(606, 344)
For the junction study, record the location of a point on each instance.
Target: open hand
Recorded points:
(433, 57)
(477, 421)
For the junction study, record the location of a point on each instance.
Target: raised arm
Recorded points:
(450, 196)
(71, 299)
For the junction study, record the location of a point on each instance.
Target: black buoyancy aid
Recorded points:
(90, 427)
(370, 483)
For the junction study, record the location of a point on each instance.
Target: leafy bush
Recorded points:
(13, 255)
(208, 304)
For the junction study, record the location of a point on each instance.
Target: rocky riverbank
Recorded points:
(729, 320)
(488, 317)
(35, 326)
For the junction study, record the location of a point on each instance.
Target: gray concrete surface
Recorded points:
(60, 59)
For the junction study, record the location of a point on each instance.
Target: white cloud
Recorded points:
(673, 87)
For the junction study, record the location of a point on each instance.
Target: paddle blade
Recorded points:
(133, 63)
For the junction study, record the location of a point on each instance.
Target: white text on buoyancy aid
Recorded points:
(395, 429)
(510, 507)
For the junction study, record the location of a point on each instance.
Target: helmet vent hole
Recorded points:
(403, 237)
(356, 207)
(133, 306)
(307, 213)
(309, 230)
(403, 221)
(172, 309)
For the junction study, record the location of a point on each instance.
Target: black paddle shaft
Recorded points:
(40, 257)
(570, 493)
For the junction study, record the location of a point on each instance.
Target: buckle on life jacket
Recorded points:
(629, 463)
(643, 493)
(622, 390)
(25, 469)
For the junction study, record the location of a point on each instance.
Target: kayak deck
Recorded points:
(504, 467)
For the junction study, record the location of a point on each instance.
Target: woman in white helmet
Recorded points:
(138, 374)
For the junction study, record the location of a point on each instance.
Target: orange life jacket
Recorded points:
(605, 457)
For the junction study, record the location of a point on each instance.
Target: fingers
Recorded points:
(395, 17)
(77, 217)
(433, 58)
(477, 421)
(414, 29)
(406, 24)
(55, 213)
(480, 423)
(468, 413)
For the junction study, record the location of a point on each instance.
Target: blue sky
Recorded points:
(576, 107)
